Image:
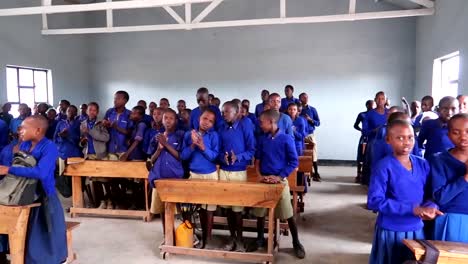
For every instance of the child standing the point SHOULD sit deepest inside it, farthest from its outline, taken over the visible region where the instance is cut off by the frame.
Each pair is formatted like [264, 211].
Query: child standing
[261, 106]
[135, 151]
[67, 137]
[313, 121]
[449, 176]
[396, 192]
[362, 119]
[203, 105]
[289, 98]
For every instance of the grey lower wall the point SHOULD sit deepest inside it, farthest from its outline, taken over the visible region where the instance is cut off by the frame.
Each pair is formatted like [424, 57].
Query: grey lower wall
[440, 35]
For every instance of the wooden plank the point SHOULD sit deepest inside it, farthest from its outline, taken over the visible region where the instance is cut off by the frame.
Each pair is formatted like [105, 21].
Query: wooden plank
[108, 212]
[169, 224]
[72, 225]
[108, 169]
[305, 164]
[450, 252]
[271, 227]
[219, 192]
[247, 223]
[241, 256]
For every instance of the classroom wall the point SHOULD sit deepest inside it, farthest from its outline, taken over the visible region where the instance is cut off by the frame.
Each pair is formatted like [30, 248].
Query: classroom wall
[340, 65]
[21, 43]
[439, 35]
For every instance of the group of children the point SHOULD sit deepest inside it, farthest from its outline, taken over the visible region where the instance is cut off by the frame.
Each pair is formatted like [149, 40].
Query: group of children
[416, 195]
[187, 144]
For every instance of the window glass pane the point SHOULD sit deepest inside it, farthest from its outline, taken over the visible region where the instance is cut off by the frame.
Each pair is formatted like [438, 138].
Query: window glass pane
[14, 110]
[40, 82]
[26, 77]
[450, 69]
[27, 96]
[12, 85]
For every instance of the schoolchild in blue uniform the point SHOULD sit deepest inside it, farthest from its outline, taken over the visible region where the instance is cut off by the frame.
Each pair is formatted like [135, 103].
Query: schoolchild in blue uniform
[246, 105]
[201, 149]
[288, 92]
[361, 119]
[434, 133]
[51, 115]
[16, 122]
[284, 122]
[427, 103]
[449, 177]
[203, 104]
[83, 114]
[148, 119]
[150, 143]
[67, 137]
[62, 110]
[135, 150]
[313, 121]
[397, 193]
[261, 106]
[46, 242]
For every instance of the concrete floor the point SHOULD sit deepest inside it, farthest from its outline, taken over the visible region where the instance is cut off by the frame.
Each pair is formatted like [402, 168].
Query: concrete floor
[334, 229]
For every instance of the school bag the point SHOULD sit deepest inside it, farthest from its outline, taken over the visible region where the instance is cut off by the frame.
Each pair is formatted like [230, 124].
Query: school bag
[431, 256]
[19, 190]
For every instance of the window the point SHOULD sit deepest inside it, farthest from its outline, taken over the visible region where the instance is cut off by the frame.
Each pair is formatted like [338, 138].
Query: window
[29, 86]
[445, 76]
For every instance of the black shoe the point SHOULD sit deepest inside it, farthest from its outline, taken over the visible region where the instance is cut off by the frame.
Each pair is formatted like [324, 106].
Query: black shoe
[3, 258]
[299, 250]
[231, 245]
[256, 245]
[317, 177]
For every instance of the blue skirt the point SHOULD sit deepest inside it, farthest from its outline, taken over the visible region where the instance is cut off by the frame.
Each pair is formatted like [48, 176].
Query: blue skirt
[451, 227]
[47, 243]
[3, 243]
[388, 247]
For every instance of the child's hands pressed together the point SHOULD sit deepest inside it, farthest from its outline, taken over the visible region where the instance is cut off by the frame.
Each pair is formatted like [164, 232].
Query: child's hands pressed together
[271, 179]
[162, 139]
[4, 170]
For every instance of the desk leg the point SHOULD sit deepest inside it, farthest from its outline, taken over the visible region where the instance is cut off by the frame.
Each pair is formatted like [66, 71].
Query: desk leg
[77, 193]
[169, 229]
[295, 205]
[17, 238]
[147, 218]
[271, 228]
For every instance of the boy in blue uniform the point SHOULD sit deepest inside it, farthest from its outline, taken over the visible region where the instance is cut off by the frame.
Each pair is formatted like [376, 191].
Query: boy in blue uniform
[5, 114]
[62, 110]
[67, 137]
[84, 113]
[201, 149]
[265, 95]
[16, 122]
[203, 104]
[427, 103]
[288, 92]
[449, 177]
[284, 122]
[46, 242]
[146, 118]
[276, 158]
[378, 116]
[396, 192]
[246, 104]
[236, 151]
[51, 115]
[313, 121]
[299, 127]
[164, 103]
[150, 143]
[361, 119]
[435, 131]
[166, 159]
[135, 151]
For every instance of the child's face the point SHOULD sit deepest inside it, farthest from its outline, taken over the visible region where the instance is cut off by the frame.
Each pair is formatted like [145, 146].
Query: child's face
[229, 114]
[202, 100]
[426, 105]
[207, 121]
[185, 116]
[458, 133]
[41, 108]
[447, 110]
[371, 105]
[401, 138]
[415, 107]
[136, 115]
[169, 121]
[381, 100]
[265, 96]
[292, 111]
[51, 115]
[29, 130]
[157, 115]
[266, 124]
[180, 106]
[84, 109]
[119, 100]
[275, 103]
[164, 104]
[463, 101]
[152, 106]
[304, 99]
[288, 92]
[23, 110]
[71, 113]
[92, 112]
[63, 106]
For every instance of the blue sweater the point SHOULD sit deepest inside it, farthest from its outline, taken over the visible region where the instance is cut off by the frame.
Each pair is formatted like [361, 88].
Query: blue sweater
[299, 130]
[259, 109]
[238, 138]
[118, 141]
[312, 112]
[285, 124]
[394, 192]
[436, 135]
[374, 121]
[68, 145]
[202, 162]
[286, 101]
[195, 117]
[277, 155]
[449, 188]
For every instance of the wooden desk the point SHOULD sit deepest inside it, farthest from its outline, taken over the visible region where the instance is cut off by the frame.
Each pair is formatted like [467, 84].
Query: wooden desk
[77, 168]
[220, 193]
[14, 223]
[450, 252]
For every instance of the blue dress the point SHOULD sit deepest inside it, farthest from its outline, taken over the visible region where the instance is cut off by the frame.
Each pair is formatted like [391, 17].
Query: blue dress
[450, 191]
[46, 239]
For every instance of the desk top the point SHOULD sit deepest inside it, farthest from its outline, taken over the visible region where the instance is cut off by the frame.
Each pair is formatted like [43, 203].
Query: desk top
[447, 249]
[220, 192]
[108, 169]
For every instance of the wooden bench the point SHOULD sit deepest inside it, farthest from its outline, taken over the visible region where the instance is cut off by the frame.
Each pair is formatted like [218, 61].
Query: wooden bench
[450, 252]
[246, 194]
[71, 254]
[78, 167]
[14, 223]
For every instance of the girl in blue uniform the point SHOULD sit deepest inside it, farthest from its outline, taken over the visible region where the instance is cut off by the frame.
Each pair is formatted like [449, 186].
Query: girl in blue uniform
[362, 119]
[46, 241]
[450, 184]
[396, 192]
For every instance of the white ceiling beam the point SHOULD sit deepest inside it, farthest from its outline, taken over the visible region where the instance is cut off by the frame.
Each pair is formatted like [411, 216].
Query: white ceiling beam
[174, 14]
[250, 22]
[129, 4]
[207, 11]
[45, 23]
[352, 6]
[425, 3]
[188, 15]
[282, 8]
[109, 16]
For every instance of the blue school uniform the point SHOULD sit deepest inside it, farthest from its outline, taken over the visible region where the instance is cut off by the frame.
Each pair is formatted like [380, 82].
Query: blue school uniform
[394, 191]
[252, 118]
[138, 134]
[259, 109]
[15, 123]
[148, 120]
[150, 144]
[450, 191]
[6, 155]
[277, 154]
[286, 101]
[299, 130]
[82, 118]
[312, 112]
[195, 117]
[3, 134]
[435, 133]
[202, 162]
[68, 145]
[374, 121]
[361, 119]
[51, 129]
[44, 245]
[7, 117]
[237, 137]
[118, 141]
[285, 124]
[166, 165]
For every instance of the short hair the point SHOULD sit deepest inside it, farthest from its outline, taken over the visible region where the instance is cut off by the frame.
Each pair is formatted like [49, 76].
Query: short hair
[170, 111]
[233, 105]
[446, 100]
[85, 105]
[369, 102]
[23, 105]
[94, 104]
[455, 118]
[397, 108]
[302, 94]
[74, 107]
[428, 98]
[51, 109]
[124, 94]
[274, 95]
[188, 110]
[271, 115]
[203, 90]
[460, 96]
[236, 101]
[208, 110]
[140, 109]
[292, 104]
[41, 121]
[141, 101]
[211, 95]
[289, 87]
[397, 122]
[265, 91]
[245, 101]
[181, 101]
[397, 116]
[65, 101]
[163, 99]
